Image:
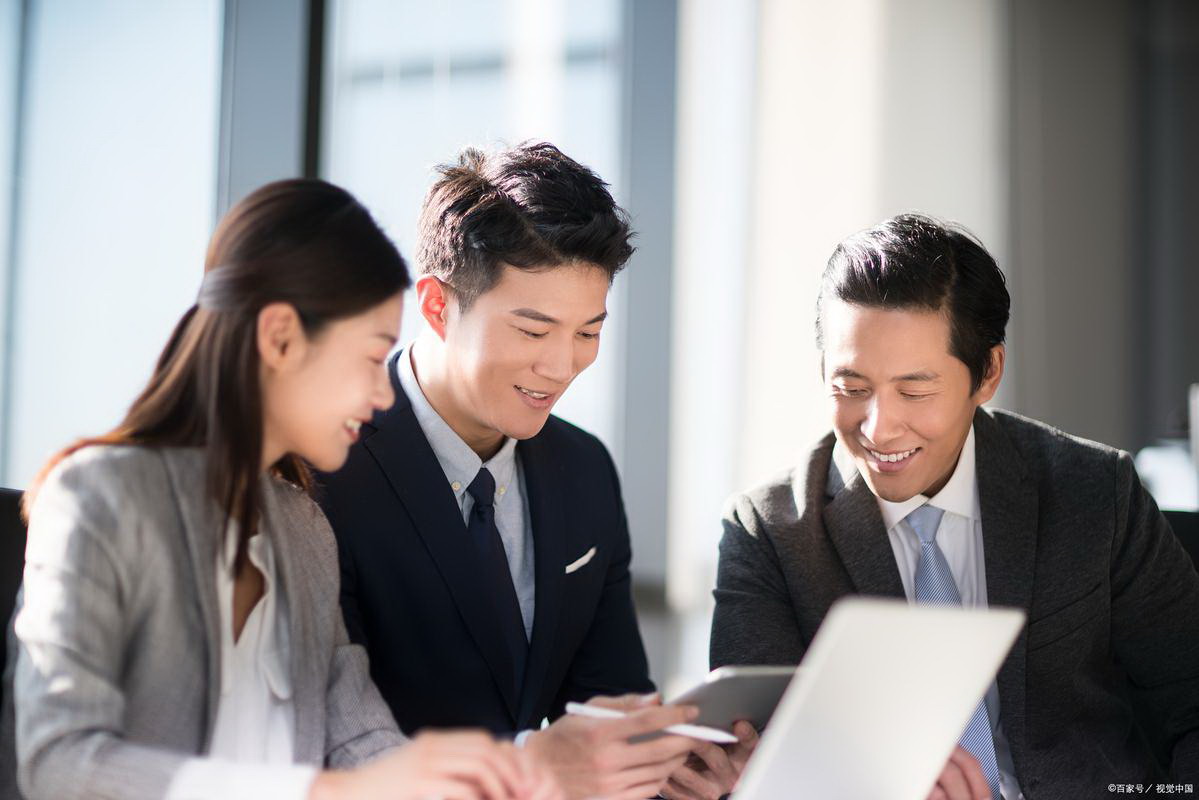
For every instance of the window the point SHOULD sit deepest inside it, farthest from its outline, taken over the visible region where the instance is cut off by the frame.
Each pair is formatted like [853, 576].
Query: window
[113, 208]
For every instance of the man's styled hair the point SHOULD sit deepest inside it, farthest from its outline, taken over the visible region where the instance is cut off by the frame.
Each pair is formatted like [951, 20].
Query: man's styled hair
[529, 206]
[916, 262]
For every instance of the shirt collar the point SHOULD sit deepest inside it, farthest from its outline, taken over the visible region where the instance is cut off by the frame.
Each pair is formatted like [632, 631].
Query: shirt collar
[958, 496]
[458, 461]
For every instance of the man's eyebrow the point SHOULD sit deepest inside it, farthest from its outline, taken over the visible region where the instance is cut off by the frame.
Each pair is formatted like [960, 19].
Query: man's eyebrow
[533, 314]
[537, 316]
[391, 339]
[923, 375]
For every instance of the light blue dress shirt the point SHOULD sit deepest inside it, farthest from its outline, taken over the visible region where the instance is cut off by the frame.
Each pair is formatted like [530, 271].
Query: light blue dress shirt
[460, 465]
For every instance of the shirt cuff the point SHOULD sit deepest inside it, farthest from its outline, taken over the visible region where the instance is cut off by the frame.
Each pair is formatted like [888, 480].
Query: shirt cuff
[218, 779]
[520, 738]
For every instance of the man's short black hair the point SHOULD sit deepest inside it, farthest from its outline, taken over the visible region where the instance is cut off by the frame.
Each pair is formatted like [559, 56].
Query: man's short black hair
[916, 262]
[529, 206]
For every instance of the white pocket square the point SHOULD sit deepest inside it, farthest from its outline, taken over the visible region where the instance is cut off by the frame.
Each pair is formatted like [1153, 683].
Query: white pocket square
[581, 561]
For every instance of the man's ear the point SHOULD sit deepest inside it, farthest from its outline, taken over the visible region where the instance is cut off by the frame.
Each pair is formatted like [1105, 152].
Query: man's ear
[434, 298]
[994, 375]
[280, 336]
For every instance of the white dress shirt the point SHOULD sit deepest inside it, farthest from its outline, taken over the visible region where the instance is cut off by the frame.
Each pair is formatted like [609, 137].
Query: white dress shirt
[254, 734]
[460, 465]
[960, 537]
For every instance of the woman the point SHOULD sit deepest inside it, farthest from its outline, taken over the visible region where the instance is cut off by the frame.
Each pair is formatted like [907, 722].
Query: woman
[180, 634]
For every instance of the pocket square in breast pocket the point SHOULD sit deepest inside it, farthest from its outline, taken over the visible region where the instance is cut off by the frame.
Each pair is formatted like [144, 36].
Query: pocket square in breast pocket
[581, 561]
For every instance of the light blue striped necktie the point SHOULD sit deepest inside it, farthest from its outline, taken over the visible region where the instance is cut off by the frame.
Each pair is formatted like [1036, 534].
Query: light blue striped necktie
[935, 585]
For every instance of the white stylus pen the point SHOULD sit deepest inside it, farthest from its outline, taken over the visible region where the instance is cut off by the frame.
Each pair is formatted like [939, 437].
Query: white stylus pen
[693, 731]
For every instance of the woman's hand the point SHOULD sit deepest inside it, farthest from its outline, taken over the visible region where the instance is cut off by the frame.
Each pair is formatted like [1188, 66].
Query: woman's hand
[448, 766]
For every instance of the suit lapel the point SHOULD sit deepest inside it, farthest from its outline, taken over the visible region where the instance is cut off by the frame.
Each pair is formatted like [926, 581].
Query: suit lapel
[406, 458]
[542, 484]
[856, 528]
[203, 528]
[1008, 501]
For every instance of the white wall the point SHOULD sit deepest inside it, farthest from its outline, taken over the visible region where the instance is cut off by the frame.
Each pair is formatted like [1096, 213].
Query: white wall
[715, 123]
[800, 122]
[867, 108]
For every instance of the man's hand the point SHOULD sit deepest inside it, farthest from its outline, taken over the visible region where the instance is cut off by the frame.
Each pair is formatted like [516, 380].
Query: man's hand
[712, 771]
[962, 779]
[594, 757]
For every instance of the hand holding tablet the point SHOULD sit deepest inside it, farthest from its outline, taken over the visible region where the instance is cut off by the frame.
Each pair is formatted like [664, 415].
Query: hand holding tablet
[730, 694]
[726, 696]
[740, 699]
[692, 731]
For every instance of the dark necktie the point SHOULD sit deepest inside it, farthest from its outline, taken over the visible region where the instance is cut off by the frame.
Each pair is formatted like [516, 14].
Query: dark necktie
[498, 577]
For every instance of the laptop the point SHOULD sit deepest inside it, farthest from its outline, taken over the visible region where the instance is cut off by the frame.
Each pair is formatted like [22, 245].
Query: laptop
[884, 693]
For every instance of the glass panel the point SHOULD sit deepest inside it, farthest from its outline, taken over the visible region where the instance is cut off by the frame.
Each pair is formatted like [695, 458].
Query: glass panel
[115, 208]
[10, 58]
[410, 83]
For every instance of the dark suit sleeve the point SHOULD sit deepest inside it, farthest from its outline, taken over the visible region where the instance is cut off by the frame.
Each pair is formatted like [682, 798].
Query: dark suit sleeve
[1155, 619]
[754, 622]
[611, 659]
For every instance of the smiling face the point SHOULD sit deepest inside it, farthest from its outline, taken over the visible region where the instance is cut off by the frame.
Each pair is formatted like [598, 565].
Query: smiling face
[511, 355]
[317, 391]
[901, 402]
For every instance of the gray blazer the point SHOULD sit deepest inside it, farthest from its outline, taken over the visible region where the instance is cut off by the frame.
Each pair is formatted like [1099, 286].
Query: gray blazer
[1101, 687]
[117, 677]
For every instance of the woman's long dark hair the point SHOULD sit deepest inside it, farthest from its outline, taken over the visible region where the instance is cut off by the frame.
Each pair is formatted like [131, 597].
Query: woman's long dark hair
[303, 242]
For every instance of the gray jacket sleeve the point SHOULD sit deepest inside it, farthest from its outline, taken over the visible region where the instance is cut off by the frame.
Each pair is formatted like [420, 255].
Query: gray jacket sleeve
[360, 725]
[71, 630]
[754, 622]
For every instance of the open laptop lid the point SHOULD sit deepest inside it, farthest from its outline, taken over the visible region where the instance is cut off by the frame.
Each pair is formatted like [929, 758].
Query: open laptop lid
[885, 692]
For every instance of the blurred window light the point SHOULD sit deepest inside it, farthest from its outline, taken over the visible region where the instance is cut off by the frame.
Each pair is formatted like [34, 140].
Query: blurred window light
[11, 18]
[408, 84]
[112, 208]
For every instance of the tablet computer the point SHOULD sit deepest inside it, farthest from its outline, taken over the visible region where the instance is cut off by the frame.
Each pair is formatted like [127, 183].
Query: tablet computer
[731, 693]
[885, 692]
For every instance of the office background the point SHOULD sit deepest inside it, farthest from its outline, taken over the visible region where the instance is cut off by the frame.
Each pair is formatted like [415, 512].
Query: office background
[745, 138]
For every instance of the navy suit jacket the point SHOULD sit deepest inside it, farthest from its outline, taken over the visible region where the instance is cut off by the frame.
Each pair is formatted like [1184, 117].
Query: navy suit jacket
[412, 594]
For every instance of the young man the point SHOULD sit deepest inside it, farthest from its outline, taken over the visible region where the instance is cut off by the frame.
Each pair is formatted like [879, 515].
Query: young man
[921, 493]
[483, 543]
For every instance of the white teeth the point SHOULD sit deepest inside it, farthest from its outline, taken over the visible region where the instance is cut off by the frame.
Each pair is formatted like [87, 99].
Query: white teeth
[354, 424]
[534, 395]
[892, 457]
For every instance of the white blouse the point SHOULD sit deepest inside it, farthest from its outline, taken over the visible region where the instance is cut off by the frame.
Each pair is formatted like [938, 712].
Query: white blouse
[254, 735]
